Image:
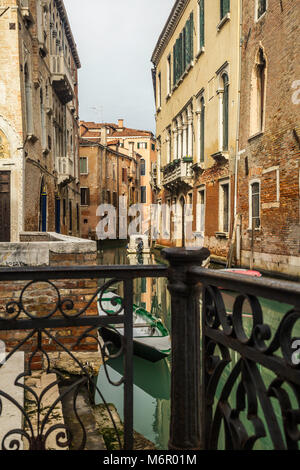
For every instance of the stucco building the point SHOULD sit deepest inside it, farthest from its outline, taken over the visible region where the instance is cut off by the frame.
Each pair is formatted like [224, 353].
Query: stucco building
[268, 169]
[38, 119]
[107, 172]
[196, 81]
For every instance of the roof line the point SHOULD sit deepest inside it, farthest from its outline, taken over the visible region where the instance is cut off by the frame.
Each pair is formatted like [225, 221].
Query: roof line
[168, 29]
[64, 16]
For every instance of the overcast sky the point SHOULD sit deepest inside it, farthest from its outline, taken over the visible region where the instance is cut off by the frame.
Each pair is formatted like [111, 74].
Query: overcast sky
[115, 41]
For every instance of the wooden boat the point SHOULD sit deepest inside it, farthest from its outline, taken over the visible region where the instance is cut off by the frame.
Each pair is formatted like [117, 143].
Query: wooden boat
[151, 339]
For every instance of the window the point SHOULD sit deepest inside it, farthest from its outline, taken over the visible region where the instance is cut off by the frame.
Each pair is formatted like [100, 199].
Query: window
[159, 91]
[225, 7]
[124, 175]
[143, 195]
[183, 50]
[201, 211]
[64, 211]
[261, 7]
[153, 147]
[28, 99]
[258, 90]
[169, 77]
[201, 25]
[143, 167]
[142, 145]
[224, 207]
[83, 165]
[78, 217]
[108, 197]
[225, 111]
[202, 129]
[84, 196]
[169, 145]
[70, 216]
[254, 216]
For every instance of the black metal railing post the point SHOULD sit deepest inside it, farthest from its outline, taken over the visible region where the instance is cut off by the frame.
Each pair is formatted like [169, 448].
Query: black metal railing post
[185, 427]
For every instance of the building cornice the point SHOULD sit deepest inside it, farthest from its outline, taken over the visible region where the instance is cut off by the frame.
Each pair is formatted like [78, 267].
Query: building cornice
[168, 30]
[64, 16]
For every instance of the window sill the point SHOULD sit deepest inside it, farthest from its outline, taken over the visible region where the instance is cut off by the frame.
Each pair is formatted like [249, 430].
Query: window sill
[223, 21]
[222, 235]
[261, 16]
[200, 52]
[249, 229]
[220, 157]
[255, 136]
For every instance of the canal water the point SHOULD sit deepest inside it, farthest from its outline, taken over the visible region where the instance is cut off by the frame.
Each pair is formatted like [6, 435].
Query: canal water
[152, 380]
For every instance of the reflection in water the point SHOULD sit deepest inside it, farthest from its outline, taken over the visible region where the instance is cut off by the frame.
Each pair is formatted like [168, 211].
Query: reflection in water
[152, 380]
[151, 396]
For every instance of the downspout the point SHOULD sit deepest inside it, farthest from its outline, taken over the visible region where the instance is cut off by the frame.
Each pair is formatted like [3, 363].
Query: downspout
[238, 153]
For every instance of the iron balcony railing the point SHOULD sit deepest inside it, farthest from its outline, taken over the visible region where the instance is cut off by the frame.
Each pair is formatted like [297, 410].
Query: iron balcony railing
[235, 376]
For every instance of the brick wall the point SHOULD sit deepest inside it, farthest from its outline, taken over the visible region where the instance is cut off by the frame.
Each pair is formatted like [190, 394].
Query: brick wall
[277, 32]
[40, 299]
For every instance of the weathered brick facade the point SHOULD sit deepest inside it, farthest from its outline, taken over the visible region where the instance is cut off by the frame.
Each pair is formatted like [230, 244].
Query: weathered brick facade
[39, 117]
[271, 157]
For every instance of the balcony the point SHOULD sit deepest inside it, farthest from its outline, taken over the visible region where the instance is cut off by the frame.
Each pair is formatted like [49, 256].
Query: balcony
[178, 173]
[65, 169]
[62, 80]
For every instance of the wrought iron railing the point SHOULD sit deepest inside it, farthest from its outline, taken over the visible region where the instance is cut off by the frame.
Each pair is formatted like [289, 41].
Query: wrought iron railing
[38, 322]
[235, 373]
[247, 386]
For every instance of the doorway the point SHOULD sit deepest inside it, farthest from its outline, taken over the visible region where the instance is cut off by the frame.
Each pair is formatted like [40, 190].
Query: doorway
[4, 206]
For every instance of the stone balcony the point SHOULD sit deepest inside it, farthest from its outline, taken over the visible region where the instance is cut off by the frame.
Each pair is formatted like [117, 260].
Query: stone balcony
[62, 80]
[178, 173]
[65, 170]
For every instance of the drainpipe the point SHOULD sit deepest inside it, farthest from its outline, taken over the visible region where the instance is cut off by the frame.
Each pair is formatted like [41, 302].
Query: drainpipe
[238, 153]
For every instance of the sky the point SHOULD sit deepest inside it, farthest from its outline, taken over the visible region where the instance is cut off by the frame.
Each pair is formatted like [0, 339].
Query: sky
[115, 41]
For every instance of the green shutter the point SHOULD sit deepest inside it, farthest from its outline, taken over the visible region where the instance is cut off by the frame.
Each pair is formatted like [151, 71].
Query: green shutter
[202, 36]
[191, 36]
[186, 32]
[225, 112]
[225, 8]
[174, 64]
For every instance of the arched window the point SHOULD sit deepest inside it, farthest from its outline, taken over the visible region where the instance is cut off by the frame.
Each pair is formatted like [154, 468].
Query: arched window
[258, 85]
[225, 110]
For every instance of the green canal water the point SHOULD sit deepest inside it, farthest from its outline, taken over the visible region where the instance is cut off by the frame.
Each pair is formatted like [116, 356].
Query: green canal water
[152, 380]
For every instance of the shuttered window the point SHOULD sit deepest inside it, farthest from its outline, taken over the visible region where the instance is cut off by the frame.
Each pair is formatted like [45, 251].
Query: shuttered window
[183, 50]
[225, 111]
[84, 196]
[225, 7]
[201, 24]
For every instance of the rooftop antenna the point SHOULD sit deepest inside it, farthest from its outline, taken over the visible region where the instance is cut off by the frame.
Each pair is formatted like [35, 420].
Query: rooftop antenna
[98, 111]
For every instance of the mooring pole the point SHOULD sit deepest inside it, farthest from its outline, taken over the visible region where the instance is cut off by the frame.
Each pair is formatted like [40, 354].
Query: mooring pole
[185, 429]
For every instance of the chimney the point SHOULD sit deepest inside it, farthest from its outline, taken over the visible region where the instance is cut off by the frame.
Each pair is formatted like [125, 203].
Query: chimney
[121, 123]
[103, 136]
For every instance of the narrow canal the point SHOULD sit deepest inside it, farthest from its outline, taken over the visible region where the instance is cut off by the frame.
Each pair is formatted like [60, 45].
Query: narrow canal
[152, 380]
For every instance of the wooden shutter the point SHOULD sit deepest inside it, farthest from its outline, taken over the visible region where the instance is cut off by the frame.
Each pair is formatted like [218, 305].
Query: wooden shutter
[191, 36]
[202, 24]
